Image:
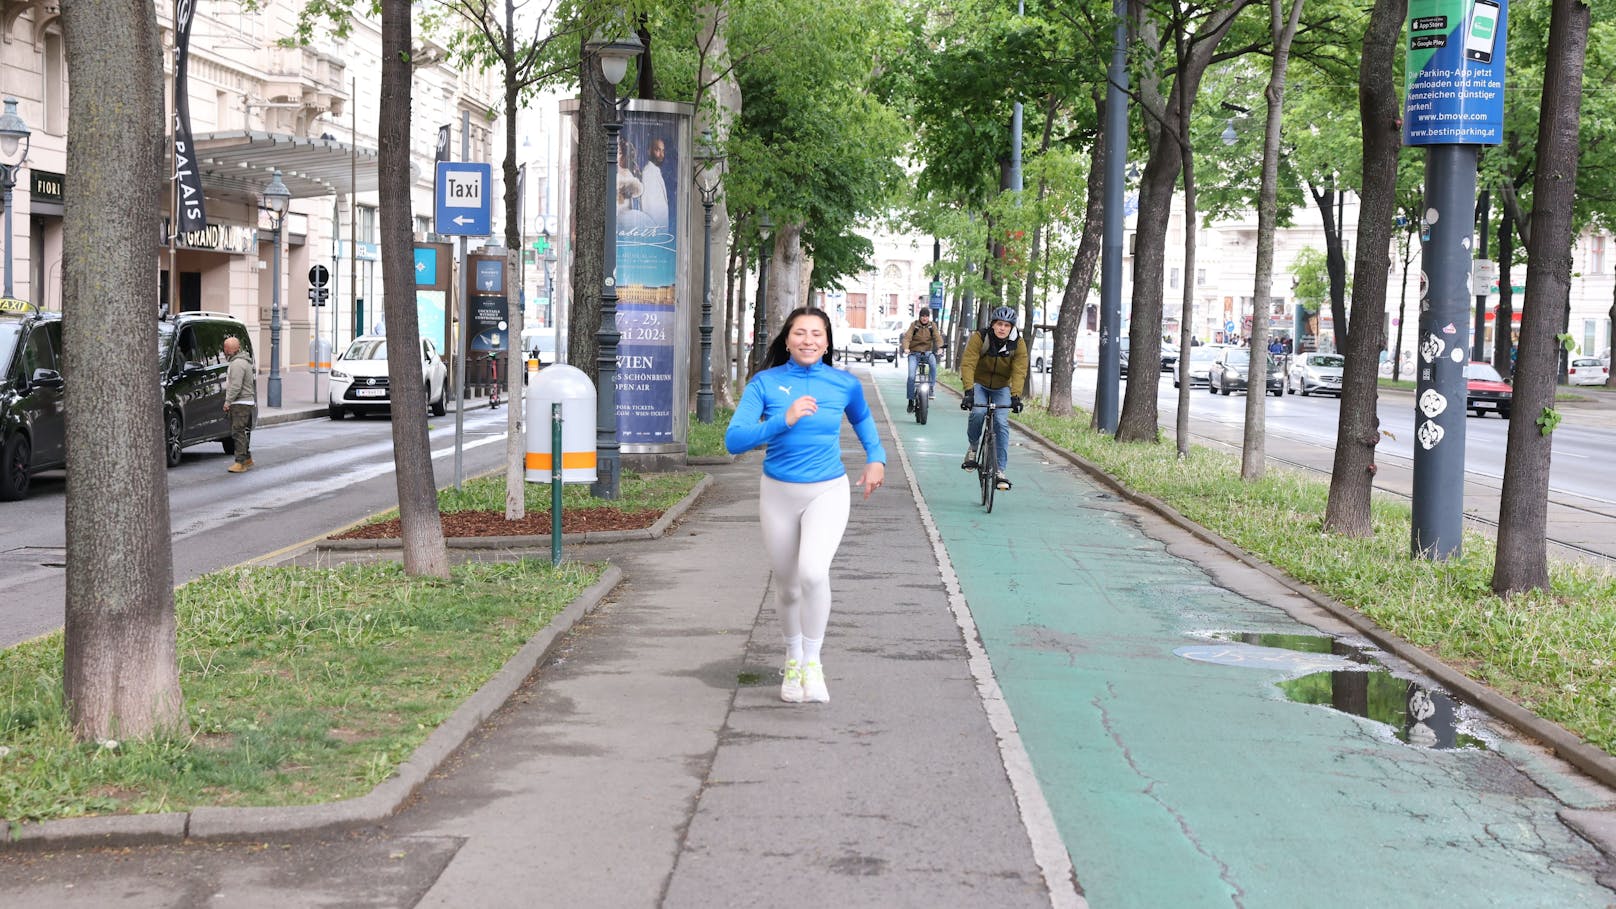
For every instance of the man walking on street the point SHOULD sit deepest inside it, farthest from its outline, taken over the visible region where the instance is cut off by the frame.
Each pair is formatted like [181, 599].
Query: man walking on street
[240, 402]
[920, 342]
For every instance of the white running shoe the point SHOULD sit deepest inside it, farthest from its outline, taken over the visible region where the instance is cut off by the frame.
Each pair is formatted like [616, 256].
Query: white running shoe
[813, 684]
[791, 687]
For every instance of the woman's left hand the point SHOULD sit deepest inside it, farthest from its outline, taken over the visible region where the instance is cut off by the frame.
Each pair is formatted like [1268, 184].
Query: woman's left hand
[875, 473]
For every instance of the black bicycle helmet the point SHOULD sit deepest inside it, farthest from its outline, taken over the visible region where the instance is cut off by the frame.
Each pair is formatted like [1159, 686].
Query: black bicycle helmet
[1003, 314]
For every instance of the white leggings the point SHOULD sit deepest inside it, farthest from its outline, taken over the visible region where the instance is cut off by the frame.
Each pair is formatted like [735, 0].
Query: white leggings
[802, 527]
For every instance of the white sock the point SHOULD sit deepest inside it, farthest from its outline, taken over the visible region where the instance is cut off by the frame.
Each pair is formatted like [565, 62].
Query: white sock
[810, 649]
[794, 648]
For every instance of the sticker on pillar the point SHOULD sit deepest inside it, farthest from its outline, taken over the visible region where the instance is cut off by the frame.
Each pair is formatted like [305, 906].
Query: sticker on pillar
[1432, 403]
[1432, 347]
[1448, 329]
[1457, 355]
[1430, 435]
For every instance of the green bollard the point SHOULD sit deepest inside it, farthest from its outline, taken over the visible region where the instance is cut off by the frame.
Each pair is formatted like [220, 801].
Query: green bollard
[555, 483]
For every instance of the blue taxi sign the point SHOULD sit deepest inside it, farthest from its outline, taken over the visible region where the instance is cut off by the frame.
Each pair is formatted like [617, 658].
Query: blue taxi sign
[464, 199]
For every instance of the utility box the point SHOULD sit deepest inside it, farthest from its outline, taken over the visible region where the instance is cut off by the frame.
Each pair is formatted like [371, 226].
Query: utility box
[570, 386]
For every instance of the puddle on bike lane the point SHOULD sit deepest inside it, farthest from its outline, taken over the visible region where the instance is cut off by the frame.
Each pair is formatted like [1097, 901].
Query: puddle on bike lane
[1182, 782]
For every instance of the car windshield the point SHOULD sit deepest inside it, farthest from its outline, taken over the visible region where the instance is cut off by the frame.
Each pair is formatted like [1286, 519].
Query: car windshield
[9, 331]
[367, 349]
[1483, 372]
[1328, 360]
[1202, 355]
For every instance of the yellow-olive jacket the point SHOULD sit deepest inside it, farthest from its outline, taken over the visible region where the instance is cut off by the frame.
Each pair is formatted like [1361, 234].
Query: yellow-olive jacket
[992, 363]
[922, 338]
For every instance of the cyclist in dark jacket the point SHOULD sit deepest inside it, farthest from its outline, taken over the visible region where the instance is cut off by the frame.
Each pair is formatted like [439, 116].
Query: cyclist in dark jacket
[993, 368]
[920, 343]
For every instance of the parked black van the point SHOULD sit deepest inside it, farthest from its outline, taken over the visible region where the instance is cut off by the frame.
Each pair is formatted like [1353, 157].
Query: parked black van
[33, 432]
[33, 422]
[192, 366]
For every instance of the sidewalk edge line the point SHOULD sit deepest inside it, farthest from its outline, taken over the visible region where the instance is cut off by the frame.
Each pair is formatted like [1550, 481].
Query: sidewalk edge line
[1598, 764]
[1048, 849]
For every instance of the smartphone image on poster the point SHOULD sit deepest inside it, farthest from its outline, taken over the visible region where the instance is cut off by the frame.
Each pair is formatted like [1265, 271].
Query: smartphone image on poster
[1483, 31]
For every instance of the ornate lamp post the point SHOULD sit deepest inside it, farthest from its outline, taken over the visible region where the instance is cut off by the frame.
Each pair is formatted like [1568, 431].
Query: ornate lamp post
[614, 57]
[760, 312]
[709, 170]
[276, 198]
[14, 141]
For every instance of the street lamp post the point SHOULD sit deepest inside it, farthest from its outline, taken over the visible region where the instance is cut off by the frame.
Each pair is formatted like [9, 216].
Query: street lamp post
[614, 58]
[276, 198]
[14, 141]
[709, 170]
[760, 312]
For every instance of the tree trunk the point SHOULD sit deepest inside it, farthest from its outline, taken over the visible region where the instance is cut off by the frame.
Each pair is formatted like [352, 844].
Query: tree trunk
[1074, 299]
[1504, 317]
[515, 360]
[1610, 337]
[1181, 424]
[1138, 420]
[1522, 560]
[1253, 456]
[1030, 294]
[785, 274]
[1358, 427]
[120, 675]
[1335, 260]
[713, 43]
[589, 201]
[1402, 307]
[421, 530]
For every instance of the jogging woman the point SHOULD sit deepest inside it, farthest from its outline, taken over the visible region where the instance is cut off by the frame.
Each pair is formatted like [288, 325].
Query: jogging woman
[795, 405]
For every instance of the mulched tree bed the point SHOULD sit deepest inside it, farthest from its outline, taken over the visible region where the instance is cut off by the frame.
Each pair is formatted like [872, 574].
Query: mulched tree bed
[493, 524]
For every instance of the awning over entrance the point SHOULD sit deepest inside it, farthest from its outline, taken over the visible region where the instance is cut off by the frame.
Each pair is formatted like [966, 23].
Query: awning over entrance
[240, 162]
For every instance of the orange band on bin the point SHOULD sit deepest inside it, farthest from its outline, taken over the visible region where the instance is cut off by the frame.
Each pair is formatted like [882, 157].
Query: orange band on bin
[570, 460]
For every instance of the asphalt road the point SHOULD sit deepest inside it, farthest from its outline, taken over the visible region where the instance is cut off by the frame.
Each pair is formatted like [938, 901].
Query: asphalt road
[310, 477]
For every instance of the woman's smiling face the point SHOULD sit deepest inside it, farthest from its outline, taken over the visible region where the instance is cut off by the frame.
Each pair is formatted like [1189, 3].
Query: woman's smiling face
[807, 340]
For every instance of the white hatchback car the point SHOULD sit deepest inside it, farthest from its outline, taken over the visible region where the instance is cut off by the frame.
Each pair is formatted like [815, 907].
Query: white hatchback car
[1588, 371]
[1316, 373]
[359, 382]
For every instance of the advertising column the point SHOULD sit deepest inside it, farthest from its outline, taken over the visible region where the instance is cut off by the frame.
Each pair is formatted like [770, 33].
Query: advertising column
[1454, 104]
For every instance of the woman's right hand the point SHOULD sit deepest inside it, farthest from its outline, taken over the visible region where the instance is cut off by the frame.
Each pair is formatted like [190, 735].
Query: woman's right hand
[800, 408]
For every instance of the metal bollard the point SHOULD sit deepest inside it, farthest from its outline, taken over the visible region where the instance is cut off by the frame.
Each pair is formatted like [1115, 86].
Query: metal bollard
[555, 483]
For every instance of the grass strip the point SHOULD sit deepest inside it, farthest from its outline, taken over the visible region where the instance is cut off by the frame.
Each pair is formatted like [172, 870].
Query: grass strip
[636, 492]
[706, 440]
[301, 685]
[1552, 652]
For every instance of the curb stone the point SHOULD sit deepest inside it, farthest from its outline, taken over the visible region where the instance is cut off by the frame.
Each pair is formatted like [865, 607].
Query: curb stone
[1595, 762]
[269, 823]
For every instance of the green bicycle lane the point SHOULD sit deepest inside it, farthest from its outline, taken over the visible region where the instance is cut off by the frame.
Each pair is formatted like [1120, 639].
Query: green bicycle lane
[1180, 782]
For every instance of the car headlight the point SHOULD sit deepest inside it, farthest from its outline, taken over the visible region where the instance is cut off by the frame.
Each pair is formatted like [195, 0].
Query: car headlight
[339, 374]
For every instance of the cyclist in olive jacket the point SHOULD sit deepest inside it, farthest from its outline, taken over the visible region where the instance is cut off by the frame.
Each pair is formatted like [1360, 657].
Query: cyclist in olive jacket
[921, 343]
[994, 368]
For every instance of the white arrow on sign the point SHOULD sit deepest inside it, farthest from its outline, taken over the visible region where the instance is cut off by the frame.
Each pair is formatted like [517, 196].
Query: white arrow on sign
[462, 220]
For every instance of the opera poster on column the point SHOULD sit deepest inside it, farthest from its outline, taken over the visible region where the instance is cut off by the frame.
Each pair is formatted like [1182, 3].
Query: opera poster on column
[650, 186]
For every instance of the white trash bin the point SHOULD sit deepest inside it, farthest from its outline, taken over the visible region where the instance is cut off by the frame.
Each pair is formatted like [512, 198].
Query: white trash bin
[570, 386]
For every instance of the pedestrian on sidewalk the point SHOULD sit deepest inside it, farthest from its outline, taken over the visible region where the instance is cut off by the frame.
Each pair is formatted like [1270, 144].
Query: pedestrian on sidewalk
[994, 368]
[795, 405]
[240, 401]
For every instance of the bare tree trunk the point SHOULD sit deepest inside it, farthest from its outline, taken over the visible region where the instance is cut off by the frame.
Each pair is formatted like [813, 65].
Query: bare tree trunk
[1138, 420]
[1253, 454]
[515, 361]
[589, 202]
[1522, 561]
[1030, 294]
[1402, 307]
[1181, 424]
[1358, 427]
[421, 530]
[1074, 299]
[1504, 316]
[785, 274]
[120, 674]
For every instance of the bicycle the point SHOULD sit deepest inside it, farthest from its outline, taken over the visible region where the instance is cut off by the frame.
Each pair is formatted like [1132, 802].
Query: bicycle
[923, 391]
[987, 457]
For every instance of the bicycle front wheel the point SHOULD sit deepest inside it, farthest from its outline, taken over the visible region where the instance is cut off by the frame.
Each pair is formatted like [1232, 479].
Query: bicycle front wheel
[986, 459]
[922, 404]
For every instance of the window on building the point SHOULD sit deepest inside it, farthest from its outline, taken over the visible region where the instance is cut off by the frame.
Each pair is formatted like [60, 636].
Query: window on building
[55, 83]
[1596, 255]
[1200, 277]
[1172, 277]
[366, 228]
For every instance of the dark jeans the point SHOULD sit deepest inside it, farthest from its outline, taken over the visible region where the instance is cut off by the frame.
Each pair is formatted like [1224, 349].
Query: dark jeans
[241, 423]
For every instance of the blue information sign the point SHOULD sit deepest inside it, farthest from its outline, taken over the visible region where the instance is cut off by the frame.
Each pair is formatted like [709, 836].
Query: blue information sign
[1455, 68]
[426, 266]
[464, 199]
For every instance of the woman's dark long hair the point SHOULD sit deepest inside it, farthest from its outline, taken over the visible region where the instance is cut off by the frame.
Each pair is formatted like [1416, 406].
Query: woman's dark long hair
[777, 353]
